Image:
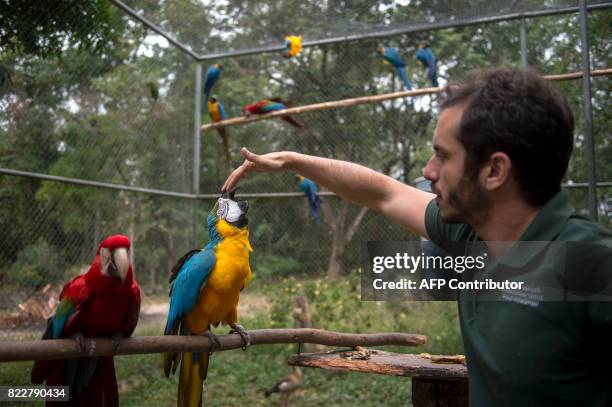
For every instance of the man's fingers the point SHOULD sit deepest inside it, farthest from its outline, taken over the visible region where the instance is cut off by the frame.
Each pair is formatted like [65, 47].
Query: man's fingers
[235, 176]
[231, 181]
[250, 156]
[252, 162]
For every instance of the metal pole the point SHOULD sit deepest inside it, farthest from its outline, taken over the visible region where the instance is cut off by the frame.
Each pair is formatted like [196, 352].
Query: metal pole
[95, 184]
[523, 28]
[196, 149]
[408, 28]
[155, 28]
[588, 113]
[377, 34]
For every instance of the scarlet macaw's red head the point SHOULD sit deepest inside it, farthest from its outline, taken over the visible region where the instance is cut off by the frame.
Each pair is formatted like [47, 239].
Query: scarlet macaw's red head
[251, 109]
[114, 253]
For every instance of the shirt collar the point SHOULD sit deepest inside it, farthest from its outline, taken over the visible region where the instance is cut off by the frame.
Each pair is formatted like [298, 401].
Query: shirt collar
[545, 227]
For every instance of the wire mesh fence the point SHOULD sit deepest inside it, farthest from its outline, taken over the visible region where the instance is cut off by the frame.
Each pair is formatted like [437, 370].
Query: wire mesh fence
[124, 114]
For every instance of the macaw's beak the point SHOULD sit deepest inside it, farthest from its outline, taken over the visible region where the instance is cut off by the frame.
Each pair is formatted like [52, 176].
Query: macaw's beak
[381, 50]
[119, 263]
[229, 194]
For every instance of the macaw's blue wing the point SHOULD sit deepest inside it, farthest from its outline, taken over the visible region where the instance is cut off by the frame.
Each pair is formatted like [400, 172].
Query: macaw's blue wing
[304, 187]
[187, 279]
[401, 71]
[310, 189]
[273, 106]
[393, 57]
[428, 59]
[222, 112]
[57, 322]
[212, 75]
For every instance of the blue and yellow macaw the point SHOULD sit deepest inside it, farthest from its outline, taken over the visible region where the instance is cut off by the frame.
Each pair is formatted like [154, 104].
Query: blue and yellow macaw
[428, 59]
[217, 114]
[205, 289]
[393, 57]
[310, 190]
[212, 76]
[293, 46]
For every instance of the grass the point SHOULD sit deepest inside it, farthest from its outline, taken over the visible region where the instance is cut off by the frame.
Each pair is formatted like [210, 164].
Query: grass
[237, 377]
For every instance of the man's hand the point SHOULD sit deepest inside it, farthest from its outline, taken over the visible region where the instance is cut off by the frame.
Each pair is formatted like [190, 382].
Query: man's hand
[272, 162]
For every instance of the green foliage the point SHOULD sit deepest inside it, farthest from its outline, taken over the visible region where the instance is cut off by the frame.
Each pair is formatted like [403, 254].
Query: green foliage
[336, 305]
[47, 27]
[36, 265]
[277, 266]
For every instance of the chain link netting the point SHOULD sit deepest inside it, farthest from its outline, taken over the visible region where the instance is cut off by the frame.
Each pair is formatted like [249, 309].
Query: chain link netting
[253, 25]
[125, 115]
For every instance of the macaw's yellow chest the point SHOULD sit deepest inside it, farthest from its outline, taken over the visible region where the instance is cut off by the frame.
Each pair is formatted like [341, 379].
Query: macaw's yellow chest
[219, 297]
[232, 269]
[214, 112]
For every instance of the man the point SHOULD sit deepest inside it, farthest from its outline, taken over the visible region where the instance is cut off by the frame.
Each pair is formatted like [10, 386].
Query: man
[501, 149]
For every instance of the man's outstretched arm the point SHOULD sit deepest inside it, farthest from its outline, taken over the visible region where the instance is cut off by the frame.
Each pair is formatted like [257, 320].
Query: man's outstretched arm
[401, 203]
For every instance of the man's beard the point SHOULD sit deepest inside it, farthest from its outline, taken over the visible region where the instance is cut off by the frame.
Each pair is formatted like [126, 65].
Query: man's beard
[468, 203]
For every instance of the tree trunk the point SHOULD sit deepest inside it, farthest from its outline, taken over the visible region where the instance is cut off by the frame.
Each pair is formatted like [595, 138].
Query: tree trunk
[342, 234]
[335, 267]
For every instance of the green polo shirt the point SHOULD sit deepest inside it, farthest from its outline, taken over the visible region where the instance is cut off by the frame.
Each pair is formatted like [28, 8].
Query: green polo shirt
[542, 354]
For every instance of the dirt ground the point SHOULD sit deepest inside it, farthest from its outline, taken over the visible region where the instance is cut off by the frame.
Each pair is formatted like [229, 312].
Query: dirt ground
[154, 311]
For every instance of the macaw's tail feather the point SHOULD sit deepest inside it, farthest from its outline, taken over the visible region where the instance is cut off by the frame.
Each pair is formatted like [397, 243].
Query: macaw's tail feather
[194, 368]
[434, 78]
[92, 381]
[43, 368]
[295, 122]
[314, 207]
[401, 71]
[171, 359]
[101, 390]
[79, 372]
[51, 371]
[223, 134]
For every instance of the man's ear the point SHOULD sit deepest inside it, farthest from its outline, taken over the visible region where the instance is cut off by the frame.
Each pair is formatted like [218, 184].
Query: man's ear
[497, 172]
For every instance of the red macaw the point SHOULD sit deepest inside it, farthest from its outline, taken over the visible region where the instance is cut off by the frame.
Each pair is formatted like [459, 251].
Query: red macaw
[103, 302]
[271, 105]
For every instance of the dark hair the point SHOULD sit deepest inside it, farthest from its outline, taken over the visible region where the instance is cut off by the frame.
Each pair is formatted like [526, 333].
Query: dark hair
[521, 114]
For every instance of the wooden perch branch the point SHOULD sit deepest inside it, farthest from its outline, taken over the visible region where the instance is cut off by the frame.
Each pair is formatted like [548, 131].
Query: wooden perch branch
[318, 106]
[385, 363]
[11, 351]
[578, 75]
[364, 100]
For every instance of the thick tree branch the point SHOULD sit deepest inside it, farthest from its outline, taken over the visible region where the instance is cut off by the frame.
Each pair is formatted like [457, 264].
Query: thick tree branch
[355, 224]
[11, 351]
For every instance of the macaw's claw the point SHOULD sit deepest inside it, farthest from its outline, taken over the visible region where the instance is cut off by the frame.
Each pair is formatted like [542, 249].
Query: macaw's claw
[214, 341]
[117, 338]
[80, 342]
[239, 329]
